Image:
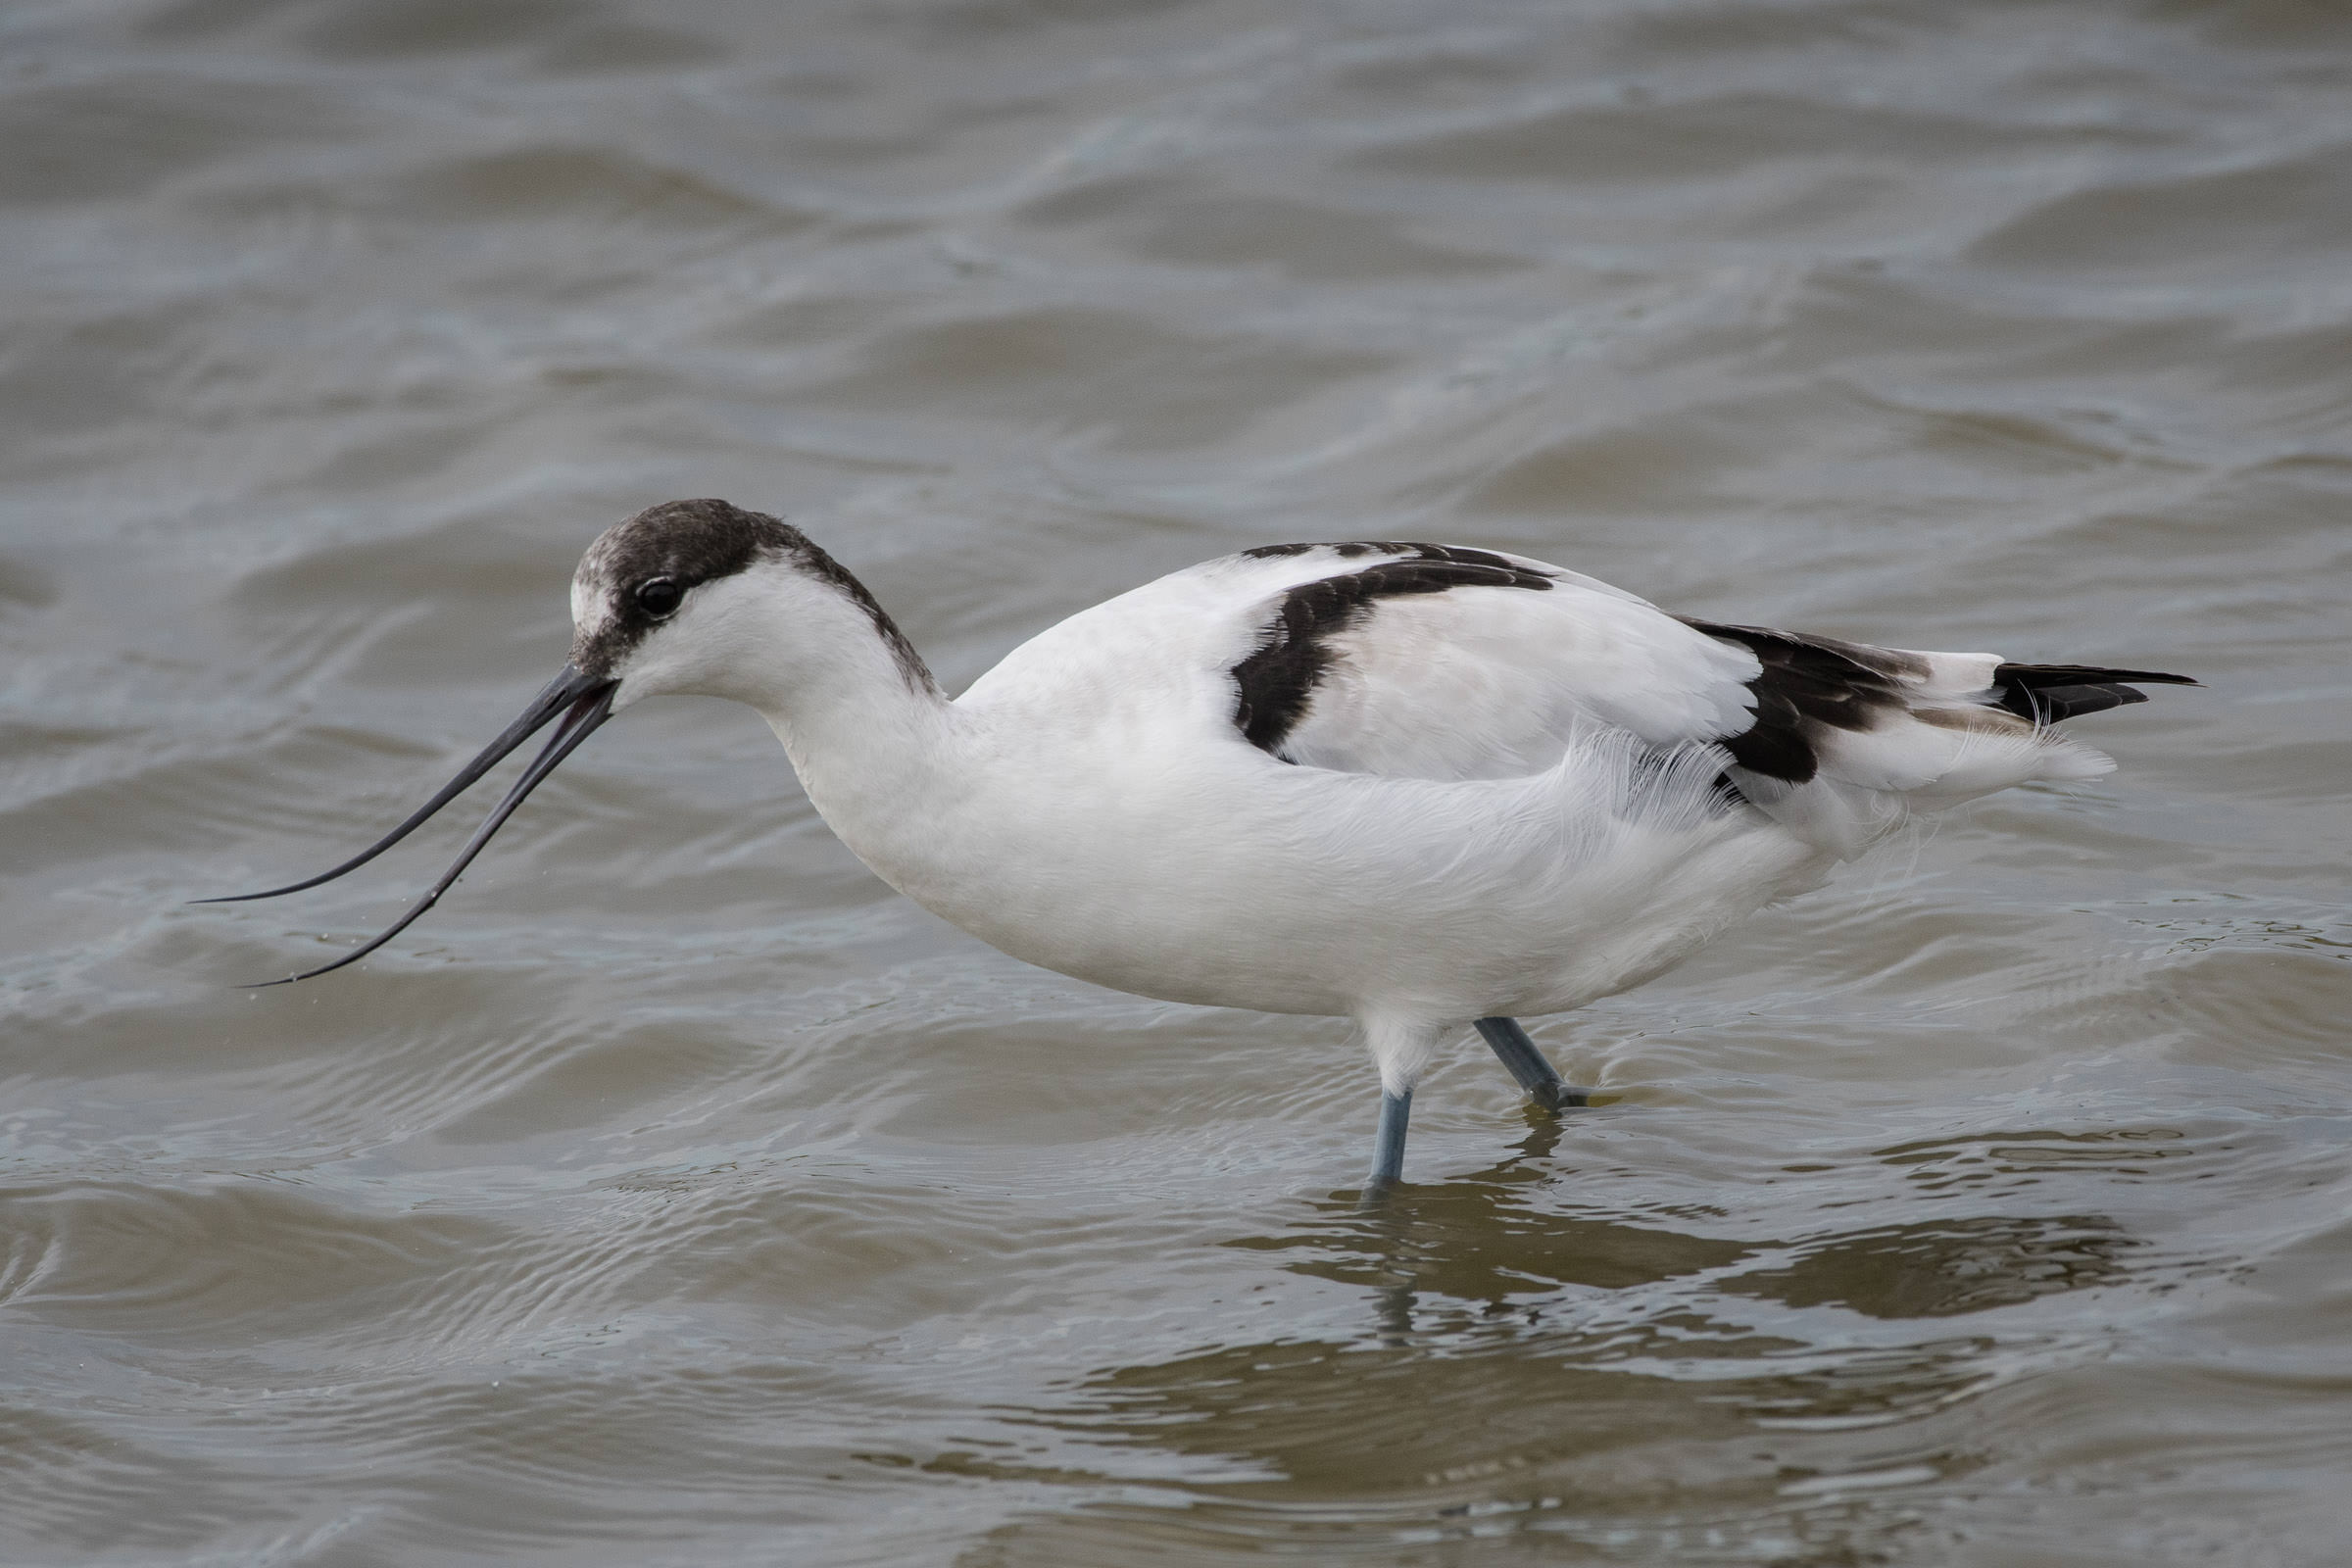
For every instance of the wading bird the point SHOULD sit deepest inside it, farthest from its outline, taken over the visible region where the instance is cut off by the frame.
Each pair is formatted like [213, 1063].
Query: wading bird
[1414, 785]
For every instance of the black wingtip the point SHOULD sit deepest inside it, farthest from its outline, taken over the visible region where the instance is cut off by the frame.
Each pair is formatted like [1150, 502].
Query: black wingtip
[2050, 694]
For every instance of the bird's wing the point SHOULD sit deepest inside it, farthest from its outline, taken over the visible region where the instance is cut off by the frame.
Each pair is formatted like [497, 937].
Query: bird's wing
[1437, 662]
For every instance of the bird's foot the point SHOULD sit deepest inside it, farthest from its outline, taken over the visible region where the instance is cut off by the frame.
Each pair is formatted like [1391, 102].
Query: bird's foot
[1559, 1096]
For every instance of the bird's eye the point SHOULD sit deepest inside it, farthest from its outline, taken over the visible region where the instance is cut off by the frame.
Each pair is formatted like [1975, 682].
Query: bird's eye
[660, 597]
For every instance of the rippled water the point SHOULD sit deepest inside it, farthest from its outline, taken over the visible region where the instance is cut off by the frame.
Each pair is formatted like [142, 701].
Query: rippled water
[676, 1193]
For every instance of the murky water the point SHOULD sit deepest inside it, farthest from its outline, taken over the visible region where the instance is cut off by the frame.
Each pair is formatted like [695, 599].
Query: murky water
[676, 1194]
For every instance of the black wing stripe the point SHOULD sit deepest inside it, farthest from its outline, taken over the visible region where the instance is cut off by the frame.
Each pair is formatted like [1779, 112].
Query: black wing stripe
[1277, 681]
[1809, 684]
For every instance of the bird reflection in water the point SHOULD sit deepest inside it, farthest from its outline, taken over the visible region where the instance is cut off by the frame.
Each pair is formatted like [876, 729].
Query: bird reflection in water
[1486, 1251]
[1740, 1368]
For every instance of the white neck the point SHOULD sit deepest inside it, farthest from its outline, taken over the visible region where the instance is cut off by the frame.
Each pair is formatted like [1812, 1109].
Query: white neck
[868, 731]
[872, 748]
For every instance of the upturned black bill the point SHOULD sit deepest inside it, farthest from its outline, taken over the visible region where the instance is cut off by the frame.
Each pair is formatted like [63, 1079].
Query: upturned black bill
[583, 702]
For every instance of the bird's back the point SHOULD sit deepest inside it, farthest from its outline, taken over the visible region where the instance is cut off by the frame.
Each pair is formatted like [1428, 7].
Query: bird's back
[1441, 663]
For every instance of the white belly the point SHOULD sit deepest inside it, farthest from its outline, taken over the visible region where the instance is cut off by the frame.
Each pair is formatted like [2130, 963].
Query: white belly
[1295, 890]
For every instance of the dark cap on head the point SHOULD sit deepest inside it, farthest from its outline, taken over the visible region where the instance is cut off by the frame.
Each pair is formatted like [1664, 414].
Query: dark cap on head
[687, 543]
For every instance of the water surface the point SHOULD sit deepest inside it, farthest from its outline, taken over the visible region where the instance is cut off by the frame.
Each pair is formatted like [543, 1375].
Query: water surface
[676, 1193]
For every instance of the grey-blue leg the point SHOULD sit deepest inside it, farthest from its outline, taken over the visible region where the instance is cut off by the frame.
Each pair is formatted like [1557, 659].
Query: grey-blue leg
[1388, 1145]
[1526, 1064]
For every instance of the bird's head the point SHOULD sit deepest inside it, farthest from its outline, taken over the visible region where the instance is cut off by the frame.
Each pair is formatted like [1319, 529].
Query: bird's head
[695, 597]
[707, 599]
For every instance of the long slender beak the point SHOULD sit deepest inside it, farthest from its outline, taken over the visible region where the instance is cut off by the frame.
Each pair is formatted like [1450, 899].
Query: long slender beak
[583, 701]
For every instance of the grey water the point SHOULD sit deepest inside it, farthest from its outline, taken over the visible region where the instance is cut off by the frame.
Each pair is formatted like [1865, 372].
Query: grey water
[676, 1194]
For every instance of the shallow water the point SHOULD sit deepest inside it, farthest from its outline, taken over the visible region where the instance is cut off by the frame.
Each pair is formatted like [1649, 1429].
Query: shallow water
[676, 1194]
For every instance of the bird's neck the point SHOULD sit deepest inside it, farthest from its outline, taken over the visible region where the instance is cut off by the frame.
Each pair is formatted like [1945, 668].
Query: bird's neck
[869, 732]
[865, 746]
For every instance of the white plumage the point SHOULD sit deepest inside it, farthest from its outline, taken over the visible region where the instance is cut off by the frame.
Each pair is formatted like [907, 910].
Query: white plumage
[1497, 802]
[1411, 785]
